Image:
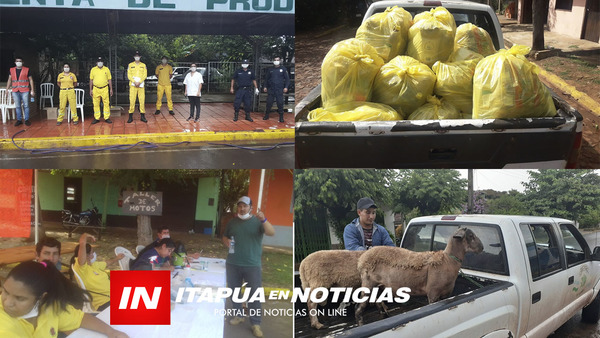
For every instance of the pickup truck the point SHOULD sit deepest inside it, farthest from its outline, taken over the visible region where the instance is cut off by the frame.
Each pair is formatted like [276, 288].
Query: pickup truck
[551, 142]
[533, 275]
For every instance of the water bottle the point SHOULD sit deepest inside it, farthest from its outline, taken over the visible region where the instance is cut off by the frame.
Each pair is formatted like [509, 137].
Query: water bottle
[188, 282]
[232, 245]
[32, 99]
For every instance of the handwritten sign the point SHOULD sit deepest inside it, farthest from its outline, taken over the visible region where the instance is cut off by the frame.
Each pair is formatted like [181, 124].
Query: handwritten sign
[142, 203]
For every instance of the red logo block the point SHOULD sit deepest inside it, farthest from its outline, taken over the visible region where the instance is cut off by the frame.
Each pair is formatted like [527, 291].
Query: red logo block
[140, 297]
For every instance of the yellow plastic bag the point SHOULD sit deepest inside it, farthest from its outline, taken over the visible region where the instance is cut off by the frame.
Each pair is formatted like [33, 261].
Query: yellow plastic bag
[463, 54]
[387, 32]
[474, 38]
[355, 111]
[431, 37]
[348, 71]
[435, 109]
[506, 85]
[455, 83]
[404, 84]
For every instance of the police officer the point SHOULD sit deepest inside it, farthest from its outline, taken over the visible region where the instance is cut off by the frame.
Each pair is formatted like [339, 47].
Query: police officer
[100, 83]
[245, 78]
[137, 73]
[276, 83]
[164, 72]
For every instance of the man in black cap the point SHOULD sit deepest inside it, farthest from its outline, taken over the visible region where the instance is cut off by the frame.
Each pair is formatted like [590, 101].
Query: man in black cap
[363, 233]
[245, 78]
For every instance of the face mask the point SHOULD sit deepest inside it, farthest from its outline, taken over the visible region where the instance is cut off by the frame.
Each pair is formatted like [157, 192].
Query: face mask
[276, 63]
[246, 216]
[100, 64]
[245, 65]
[19, 64]
[164, 61]
[166, 236]
[33, 313]
[67, 69]
[137, 58]
[193, 69]
[93, 258]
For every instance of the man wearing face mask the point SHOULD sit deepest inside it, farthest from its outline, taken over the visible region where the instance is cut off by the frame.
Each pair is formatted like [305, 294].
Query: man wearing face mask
[137, 73]
[276, 83]
[67, 82]
[20, 80]
[245, 79]
[164, 72]
[100, 83]
[243, 236]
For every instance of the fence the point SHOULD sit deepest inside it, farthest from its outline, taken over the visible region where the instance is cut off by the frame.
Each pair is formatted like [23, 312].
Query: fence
[311, 233]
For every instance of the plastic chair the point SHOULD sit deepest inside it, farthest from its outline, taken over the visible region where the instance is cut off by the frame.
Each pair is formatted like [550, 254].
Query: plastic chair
[6, 103]
[139, 248]
[79, 101]
[47, 92]
[124, 262]
[87, 306]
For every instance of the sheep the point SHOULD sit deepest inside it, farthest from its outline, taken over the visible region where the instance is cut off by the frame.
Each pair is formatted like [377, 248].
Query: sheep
[329, 268]
[431, 273]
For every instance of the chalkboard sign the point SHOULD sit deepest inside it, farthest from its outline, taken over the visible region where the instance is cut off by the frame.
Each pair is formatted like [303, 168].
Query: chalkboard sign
[142, 203]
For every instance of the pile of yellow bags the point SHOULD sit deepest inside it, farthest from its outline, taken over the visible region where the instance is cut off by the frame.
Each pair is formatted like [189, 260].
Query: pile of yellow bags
[506, 85]
[455, 83]
[435, 109]
[348, 71]
[387, 32]
[431, 37]
[355, 111]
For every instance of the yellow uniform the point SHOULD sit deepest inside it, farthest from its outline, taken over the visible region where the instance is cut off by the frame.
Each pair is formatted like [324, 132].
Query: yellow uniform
[100, 77]
[164, 85]
[67, 93]
[95, 280]
[50, 321]
[136, 72]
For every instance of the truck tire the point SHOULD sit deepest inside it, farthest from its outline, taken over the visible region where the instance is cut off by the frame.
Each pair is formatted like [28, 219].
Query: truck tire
[591, 313]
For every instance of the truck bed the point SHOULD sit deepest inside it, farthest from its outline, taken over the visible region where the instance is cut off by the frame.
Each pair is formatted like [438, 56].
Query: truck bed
[469, 143]
[415, 308]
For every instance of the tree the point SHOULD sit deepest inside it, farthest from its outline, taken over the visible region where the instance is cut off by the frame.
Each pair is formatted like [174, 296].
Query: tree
[337, 191]
[510, 203]
[571, 194]
[539, 19]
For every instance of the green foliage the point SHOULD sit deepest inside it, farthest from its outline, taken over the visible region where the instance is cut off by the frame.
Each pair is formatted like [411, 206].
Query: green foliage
[234, 184]
[510, 203]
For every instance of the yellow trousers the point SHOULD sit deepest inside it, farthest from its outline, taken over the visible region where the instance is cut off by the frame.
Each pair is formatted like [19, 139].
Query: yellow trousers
[159, 94]
[67, 96]
[135, 92]
[101, 93]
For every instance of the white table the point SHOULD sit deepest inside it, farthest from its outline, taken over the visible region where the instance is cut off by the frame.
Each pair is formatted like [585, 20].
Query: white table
[187, 320]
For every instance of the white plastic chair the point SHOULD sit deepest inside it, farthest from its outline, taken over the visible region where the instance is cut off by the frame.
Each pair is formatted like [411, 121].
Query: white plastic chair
[47, 92]
[124, 262]
[79, 101]
[6, 103]
[87, 306]
[139, 248]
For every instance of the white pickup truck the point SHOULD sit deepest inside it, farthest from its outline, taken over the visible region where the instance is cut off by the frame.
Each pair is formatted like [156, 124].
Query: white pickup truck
[533, 275]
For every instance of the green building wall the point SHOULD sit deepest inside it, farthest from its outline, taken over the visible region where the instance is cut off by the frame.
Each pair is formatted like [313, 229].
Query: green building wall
[51, 191]
[208, 187]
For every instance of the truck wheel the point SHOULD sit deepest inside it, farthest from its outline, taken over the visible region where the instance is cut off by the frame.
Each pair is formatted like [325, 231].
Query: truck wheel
[591, 313]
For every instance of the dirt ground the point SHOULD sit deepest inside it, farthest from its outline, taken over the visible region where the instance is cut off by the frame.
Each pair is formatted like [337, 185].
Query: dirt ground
[582, 72]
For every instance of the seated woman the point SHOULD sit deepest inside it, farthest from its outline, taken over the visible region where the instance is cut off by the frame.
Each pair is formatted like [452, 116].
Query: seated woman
[157, 257]
[93, 273]
[38, 301]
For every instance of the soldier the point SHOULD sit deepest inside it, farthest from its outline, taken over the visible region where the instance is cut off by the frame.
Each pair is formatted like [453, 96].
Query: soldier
[164, 72]
[100, 79]
[276, 83]
[245, 78]
[137, 73]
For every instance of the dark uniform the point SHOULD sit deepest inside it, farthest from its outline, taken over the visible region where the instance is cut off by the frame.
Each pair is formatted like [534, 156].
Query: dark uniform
[276, 80]
[244, 79]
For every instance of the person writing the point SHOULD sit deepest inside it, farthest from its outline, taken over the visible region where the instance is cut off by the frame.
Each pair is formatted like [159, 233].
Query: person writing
[363, 233]
[67, 82]
[193, 86]
[157, 257]
[38, 301]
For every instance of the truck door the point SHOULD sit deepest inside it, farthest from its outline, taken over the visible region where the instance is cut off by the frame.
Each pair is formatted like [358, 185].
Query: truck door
[548, 278]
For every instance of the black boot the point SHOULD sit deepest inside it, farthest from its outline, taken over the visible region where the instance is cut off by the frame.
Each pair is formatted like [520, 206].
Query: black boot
[235, 116]
[143, 118]
[130, 119]
[266, 116]
[248, 118]
[281, 117]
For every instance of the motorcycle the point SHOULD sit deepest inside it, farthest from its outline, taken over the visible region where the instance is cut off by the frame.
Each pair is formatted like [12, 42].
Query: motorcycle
[89, 217]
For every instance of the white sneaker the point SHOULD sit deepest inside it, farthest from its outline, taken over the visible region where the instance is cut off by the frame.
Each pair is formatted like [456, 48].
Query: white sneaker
[256, 331]
[237, 320]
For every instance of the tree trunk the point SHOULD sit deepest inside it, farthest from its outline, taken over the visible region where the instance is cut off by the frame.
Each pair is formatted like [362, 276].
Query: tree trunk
[144, 230]
[538, 24]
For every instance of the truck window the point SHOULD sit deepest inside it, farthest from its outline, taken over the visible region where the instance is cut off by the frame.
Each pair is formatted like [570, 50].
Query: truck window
[542, 249]
[575, 246]
[418, 237]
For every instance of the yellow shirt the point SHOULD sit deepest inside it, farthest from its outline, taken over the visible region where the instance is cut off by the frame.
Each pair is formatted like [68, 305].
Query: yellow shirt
[95, 280]
[164, 74]
[136, 72]
[49, 323]
[66, 81]
[100, 76]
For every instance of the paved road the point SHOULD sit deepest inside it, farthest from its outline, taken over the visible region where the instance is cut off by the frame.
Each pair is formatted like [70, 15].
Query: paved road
[180, 157]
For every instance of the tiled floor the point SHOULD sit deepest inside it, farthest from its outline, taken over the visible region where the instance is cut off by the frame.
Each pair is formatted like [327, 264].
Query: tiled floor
[215, 117]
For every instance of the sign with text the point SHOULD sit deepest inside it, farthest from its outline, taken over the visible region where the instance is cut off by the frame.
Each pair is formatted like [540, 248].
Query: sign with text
[142, 203]
[231, 6]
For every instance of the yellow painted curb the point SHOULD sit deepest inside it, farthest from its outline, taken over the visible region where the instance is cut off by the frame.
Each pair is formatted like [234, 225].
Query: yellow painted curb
[582, 98]
[110, 140]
